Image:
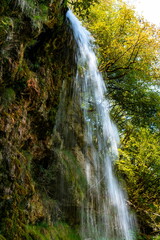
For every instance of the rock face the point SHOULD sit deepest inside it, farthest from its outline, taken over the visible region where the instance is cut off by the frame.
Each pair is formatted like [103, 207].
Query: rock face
[35, 58]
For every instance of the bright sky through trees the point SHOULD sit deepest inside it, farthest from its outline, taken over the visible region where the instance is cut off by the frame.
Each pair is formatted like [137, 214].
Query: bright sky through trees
[150, 9]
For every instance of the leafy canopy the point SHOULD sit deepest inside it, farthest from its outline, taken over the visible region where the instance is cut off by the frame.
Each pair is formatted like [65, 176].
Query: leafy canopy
[81, 7]
[139, 165]
[129, 60]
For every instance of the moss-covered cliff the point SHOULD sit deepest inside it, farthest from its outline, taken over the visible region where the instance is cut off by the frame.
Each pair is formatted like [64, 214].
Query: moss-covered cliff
[35, 58]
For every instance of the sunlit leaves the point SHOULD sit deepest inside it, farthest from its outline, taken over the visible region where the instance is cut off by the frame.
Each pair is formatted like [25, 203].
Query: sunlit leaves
[129, 59]
[81, 7]
[140, 166]
[129, 56]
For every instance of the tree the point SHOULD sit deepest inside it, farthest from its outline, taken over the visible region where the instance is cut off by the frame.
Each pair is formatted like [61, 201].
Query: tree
[81, 7]
[129, 56]
[128, 51]
[139, 165]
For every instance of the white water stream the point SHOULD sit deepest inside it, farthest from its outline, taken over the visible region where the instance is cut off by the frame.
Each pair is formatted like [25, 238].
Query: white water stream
[104, 212]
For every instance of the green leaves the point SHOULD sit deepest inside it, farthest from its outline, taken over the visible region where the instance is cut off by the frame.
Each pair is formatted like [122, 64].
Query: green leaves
[128, 51]
[81, 7]
[139, 164]
[128, 55]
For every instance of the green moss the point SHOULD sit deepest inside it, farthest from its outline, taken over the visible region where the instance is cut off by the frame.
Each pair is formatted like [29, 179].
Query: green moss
[2, 238]
[28, 156]
[14, 214]
[8, 97]
[73, 172]
[60, 231]
[156, 237]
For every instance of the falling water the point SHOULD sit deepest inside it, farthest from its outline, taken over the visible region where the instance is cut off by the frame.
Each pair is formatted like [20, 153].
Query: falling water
[104, 211]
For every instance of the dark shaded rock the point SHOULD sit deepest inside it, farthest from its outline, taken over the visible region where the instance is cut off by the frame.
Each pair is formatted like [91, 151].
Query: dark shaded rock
[36, 55]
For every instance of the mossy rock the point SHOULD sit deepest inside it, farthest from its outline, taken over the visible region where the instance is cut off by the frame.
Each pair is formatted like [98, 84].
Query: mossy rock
[60, 231]
[1, 158]
[8, 97]
[25, 112]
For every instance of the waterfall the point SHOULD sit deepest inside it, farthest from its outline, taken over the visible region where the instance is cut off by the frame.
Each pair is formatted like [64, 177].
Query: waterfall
[104, 212]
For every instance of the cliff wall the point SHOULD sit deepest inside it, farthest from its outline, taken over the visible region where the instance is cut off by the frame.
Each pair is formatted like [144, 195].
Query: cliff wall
[35, 58]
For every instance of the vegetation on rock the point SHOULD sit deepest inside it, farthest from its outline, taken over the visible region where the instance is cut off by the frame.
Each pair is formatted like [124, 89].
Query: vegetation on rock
[31, 78]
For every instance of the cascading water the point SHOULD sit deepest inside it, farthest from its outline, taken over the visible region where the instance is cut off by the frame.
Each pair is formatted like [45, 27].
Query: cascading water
[104, 211]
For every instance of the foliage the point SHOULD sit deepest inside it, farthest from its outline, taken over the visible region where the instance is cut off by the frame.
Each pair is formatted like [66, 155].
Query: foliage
[81, 7]
[129, 56]
[44, 232]
[129, 60]
[139, 165]
[2, 238]
[37, 12]
[14, 195]
[157, 237]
